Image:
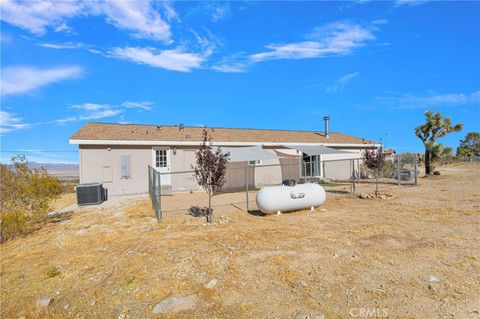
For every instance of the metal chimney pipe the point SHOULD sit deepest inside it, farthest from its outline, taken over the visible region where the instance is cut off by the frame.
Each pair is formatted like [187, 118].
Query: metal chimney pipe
[327, 126]
[180, 127]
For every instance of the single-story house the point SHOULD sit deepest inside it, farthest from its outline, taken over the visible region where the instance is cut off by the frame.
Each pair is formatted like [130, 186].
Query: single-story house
[118, 155]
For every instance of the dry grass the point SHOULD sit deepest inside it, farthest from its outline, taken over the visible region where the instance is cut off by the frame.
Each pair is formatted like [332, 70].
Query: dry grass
[116, 259]
[64, 201]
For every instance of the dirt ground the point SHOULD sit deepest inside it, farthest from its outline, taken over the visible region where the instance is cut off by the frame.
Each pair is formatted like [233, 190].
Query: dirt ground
[415, 255]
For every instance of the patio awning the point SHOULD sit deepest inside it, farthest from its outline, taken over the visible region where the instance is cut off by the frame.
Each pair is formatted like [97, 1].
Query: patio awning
[316, 150]
[249, 153]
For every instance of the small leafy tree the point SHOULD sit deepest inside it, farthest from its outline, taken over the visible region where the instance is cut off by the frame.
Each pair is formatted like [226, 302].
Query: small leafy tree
[374, 160]
[210, 170]
[434, 127]
[470, 145]
[25, 196]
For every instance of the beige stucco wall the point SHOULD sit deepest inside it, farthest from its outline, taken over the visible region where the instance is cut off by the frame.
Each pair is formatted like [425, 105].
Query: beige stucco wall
[100, 163]
[272, 175]
[339, 166]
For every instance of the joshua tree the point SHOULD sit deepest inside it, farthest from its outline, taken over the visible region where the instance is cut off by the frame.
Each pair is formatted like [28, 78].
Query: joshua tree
[434, 127]
[210, 170]
[470, 146]
[374, 160]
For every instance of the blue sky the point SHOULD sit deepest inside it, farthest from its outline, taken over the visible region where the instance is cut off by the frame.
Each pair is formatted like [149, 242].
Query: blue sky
[374, 67]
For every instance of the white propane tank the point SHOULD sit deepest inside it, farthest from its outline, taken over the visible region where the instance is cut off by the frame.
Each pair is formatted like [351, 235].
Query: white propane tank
[287, 198]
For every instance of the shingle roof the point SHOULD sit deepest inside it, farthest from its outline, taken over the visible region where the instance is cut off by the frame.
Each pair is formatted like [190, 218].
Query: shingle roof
[137, 132]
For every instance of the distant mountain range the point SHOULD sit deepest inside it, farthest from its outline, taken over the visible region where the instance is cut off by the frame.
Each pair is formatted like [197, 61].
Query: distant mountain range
[55, 167]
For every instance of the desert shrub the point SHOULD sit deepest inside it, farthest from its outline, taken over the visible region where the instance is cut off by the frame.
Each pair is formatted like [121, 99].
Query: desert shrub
[25, 197]
[128, 280]
[410, 158]
[389, 168]
[440, 155]
[53, 272]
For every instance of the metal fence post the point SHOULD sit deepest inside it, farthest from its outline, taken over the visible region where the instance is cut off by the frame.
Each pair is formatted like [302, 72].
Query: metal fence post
[353, 175]
[304, 172]
[398, 170]
[246, 179]
[160, 214]
[150, 181]
[415, 169]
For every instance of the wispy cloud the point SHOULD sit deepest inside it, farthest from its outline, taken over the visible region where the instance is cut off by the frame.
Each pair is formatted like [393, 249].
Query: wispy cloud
[37, 16]
[404, 101]
[235, 63]
[221, 11]
[147, 106]
[398, 2]
[97, 111]
[140, 17]
[409, 2]
[23, 79]
[64, 45]
[341, 83]
[214, 10]
[169, 12]
[10, 122]
[234, 67]
[175, 60]
[339, 38]
[91, 115]
[90, 106]
[202, 46]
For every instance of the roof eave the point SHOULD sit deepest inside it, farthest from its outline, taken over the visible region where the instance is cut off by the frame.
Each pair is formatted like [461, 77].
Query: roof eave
[196, 143]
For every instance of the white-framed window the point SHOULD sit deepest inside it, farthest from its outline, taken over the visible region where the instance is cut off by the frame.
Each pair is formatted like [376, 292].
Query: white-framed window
[311, 165]
[161, 158]
[253, 163]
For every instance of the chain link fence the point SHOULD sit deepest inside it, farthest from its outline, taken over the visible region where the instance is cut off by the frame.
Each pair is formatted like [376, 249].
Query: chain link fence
[398, 169]
[180, 192]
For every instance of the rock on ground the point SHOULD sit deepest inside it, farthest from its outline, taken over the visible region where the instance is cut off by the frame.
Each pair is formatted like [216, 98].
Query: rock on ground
[212, 283]
[431, 278]
[307, 315]
[44, 302]
[175, 304]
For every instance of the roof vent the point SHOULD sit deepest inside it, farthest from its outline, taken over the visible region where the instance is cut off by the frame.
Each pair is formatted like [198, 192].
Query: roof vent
[181, 127]
[158, 128]
[187, 136]
[327, 126]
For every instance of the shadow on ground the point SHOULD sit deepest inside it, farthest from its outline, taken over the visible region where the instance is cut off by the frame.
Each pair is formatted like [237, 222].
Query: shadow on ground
[257, 213]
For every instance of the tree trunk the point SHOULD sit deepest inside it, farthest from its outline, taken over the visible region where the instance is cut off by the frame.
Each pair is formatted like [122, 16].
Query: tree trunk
[427, 162]
[376, 185]
[209, 212]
